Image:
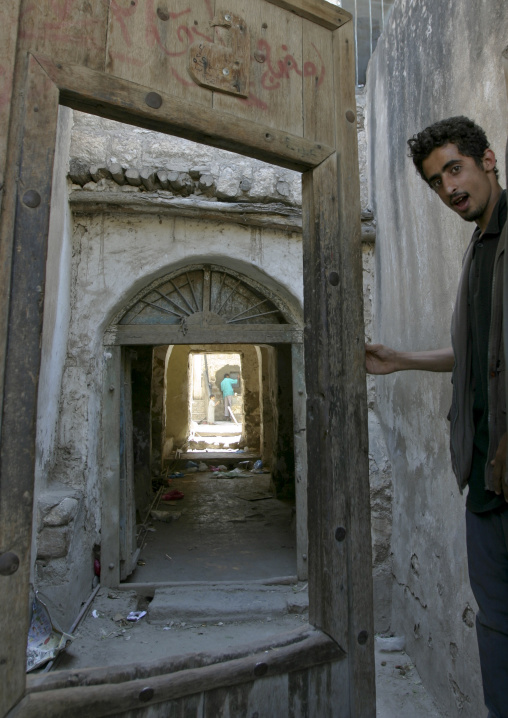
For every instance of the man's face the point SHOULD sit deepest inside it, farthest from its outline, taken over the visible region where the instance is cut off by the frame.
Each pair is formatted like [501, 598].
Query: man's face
[461, 184]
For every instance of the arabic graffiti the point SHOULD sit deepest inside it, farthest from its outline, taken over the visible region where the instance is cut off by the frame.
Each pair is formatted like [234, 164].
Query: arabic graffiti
[170, 32]
[280, 70]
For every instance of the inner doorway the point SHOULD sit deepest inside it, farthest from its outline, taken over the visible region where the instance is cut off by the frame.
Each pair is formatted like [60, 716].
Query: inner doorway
[207, 502]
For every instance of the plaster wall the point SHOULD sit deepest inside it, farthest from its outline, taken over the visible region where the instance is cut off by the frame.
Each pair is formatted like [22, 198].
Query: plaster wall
[434, 60]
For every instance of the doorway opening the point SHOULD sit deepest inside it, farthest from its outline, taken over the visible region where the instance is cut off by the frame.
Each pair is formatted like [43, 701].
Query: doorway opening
[204, 501]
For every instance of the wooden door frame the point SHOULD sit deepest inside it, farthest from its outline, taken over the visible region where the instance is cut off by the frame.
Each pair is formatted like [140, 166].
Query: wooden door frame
[340, 580]
[111, 455]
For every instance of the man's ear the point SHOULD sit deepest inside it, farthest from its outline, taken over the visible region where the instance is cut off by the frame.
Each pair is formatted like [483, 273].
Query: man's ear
[488, 160]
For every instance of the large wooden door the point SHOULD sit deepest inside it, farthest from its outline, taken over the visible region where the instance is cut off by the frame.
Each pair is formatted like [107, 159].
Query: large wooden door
[272, 80]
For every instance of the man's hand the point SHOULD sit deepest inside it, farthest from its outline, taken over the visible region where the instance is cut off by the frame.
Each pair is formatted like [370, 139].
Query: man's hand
[380, 359]
[499, 464]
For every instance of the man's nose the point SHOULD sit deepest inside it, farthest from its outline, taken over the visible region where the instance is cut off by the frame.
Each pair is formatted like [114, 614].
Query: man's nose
[449, 185]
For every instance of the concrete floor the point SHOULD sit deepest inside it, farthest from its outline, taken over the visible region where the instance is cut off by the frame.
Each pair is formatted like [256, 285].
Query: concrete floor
[108, 639]
[230, 539]
[223, 530]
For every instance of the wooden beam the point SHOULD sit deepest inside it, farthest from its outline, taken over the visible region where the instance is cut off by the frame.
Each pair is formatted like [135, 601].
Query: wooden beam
[317, 11]
[95, 701]
[101, 94]
[110, 490]
[340, 573]
[153, 334]
[269, 216]
[24, 329]
[97, 676]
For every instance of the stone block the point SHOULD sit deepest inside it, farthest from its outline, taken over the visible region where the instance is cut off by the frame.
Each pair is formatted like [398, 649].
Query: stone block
[99, 172]
[132, 177]
[79, 172]
[53, 542]
[62, 513]
[228, 184]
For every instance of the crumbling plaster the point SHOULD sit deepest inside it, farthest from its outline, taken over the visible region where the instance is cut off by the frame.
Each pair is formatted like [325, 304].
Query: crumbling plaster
[433, 60]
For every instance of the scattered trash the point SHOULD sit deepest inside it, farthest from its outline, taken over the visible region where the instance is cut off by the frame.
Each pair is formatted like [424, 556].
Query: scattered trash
[169, 557]
[176, 475]
[173, 495]
[389, 644]
[136, 615]
[258, 464]
[244, 465]
[166, 516]
[191, 464]
[222, 468]
[97, 567]
[141, 563]
[95, 613]
[202, 466]
[45, 641]
[191, 470]
[214, 468]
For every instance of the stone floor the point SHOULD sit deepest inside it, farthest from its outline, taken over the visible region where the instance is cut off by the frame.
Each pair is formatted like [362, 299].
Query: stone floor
[224, 529]
[225, 537]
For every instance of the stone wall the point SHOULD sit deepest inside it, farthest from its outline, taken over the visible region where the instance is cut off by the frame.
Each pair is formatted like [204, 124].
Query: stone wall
[434, 60]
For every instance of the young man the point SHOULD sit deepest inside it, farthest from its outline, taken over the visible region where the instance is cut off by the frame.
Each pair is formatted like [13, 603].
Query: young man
[453, 156]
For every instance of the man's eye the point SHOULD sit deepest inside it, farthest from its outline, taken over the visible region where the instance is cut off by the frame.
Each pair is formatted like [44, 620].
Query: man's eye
[455, 169]
[436, 184]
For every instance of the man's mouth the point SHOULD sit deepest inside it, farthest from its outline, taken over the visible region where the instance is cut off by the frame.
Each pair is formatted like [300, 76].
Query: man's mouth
[460, 201]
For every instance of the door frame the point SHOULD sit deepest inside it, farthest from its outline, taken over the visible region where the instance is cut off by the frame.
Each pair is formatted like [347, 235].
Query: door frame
[340, 580]
[112, 457]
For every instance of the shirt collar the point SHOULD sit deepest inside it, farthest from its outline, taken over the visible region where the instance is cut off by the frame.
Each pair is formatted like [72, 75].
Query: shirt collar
[497, 218]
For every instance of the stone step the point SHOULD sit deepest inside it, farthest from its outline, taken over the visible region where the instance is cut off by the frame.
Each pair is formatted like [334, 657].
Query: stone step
[204, 603]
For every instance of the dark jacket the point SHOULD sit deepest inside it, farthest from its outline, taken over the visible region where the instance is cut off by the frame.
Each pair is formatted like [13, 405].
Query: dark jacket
[461, 412]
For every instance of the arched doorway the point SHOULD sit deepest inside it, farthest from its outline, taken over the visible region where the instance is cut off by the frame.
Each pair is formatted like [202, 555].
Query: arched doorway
[196, 308]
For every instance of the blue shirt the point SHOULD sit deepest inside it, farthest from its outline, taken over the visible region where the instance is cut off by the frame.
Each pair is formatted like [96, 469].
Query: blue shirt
[226, 386]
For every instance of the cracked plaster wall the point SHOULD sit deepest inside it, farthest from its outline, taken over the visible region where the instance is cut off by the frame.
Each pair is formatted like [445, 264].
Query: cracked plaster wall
[434, 60]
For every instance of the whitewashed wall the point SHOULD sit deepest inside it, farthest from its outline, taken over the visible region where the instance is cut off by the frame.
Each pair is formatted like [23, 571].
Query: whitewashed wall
[434, 60]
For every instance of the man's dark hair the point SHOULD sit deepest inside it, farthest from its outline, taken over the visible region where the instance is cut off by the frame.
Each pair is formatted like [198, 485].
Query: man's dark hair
[468, 137]
[225, 375]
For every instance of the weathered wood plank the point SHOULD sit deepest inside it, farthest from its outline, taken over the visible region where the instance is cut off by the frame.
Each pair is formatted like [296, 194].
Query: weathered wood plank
[317, 11]
[276, 68]
[110, 493]
[148, 43]
[112, 699]
[318, 86]
[68, 30]
[300, 448]
[356, 476]
[278, 216]
[326, 442]
[24, 328]
[119, 674]
[12, 78]
[132, 334]
[9, 18]
[96, 93]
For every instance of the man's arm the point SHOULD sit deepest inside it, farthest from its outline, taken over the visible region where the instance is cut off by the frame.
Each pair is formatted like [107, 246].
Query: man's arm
[383, 360]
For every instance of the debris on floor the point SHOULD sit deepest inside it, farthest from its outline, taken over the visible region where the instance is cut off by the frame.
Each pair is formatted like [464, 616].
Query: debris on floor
[166, 516]
[45, 641]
